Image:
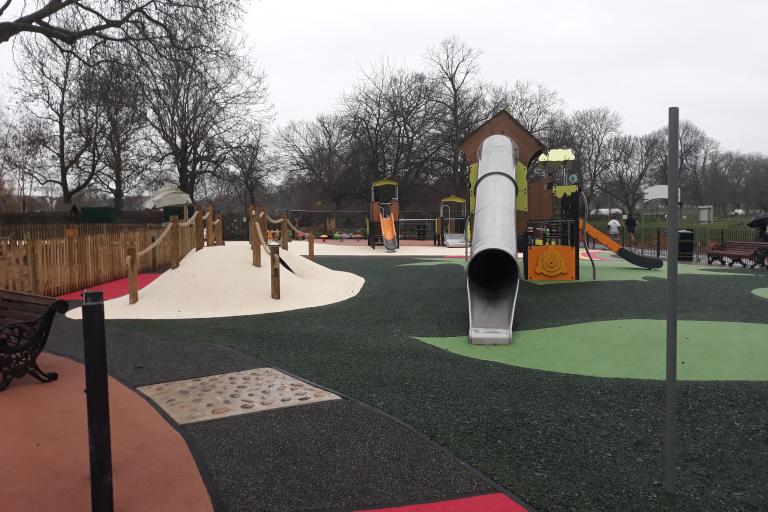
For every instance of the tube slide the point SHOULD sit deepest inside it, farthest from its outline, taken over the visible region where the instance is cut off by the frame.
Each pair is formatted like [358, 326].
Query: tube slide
[388, 232]
[638, 260]
[493, 276]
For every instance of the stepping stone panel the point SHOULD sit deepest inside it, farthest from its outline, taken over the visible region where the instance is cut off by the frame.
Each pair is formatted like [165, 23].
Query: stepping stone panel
[232, 394]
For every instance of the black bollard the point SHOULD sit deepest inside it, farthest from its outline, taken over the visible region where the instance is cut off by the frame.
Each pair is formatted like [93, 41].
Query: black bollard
[97, 396]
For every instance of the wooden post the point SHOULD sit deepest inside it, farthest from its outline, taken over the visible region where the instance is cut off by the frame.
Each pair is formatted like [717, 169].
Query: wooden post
[251, 234]
[199, 241]
[175, 249]
[209, 227]
[186, 213]
[284, 231]
[153, 253]
[255, 242]
[31, 261]
[274, 253]
[133, 285]
[263, 220]
[311, 240]
[219, 230]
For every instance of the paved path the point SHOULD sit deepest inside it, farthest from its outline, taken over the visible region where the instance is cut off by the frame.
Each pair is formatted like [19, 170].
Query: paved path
[44, 446]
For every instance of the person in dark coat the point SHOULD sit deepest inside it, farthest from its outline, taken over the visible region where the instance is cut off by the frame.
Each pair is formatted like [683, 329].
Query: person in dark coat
[631, 225]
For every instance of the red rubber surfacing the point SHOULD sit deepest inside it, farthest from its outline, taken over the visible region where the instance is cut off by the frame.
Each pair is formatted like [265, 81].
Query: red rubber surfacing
[495, 502]
[112, 289]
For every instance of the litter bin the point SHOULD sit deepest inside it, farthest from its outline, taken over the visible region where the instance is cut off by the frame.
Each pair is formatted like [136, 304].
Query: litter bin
[684, 245]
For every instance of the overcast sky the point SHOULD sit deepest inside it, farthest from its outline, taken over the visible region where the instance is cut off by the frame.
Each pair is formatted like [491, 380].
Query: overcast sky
[708, 57]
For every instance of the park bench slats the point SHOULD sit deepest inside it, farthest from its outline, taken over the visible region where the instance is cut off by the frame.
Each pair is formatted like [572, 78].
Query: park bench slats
[8, 316]
[25, 321]
[25, 298]
[737, 251]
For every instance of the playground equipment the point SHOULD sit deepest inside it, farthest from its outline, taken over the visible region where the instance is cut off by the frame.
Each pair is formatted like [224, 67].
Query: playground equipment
[179, 238]
[552, 248]
[384, 214]
[451, 226]
[498, 153]
[492, 271]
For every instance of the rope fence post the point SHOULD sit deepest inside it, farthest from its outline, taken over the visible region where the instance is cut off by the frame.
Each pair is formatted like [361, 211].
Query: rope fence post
[220, 232]
[153, 254]
[251, 213]
[262, 216]
[255, 243]
[311, 241]
[175, 250]
[209, 227]
[274, 256]
[284, 231]
[199, 241]
[133, 285]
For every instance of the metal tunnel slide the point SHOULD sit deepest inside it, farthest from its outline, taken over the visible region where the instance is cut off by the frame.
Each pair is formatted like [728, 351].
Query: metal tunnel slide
[493, 275]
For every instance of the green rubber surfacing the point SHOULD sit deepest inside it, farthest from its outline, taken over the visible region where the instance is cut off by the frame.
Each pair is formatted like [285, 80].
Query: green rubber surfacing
[631, 349]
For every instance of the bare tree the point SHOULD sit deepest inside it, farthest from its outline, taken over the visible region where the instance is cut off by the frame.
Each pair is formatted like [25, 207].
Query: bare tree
[591, 130]
[533, 105]
[631, 161]
[115, 87]
[114, 20]
[197, 95]
[461, 99]
[67, 125]
[393, 123]
[320, 154]
[249, 170]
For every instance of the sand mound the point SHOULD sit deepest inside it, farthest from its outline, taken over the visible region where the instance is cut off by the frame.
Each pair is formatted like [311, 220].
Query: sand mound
[221, 282]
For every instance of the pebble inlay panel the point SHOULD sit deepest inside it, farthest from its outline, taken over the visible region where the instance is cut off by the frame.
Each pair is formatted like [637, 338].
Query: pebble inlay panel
[230, 394]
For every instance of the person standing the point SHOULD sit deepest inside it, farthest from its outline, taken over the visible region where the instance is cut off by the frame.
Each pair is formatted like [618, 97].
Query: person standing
[631, 227]
[613, 228]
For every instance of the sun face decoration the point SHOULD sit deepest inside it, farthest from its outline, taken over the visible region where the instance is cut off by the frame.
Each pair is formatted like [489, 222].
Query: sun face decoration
[551, 263]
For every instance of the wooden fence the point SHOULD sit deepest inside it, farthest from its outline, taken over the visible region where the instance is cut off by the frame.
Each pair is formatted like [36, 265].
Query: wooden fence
[54, 260]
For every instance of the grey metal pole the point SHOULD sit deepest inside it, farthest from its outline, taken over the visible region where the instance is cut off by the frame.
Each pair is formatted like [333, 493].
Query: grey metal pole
[97, 401]
[670, 386]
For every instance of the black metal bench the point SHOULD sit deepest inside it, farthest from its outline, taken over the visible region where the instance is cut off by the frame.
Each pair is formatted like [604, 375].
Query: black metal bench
[25, 322]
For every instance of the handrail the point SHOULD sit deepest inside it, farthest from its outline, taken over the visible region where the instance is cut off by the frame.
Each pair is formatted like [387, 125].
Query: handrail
[261, 237]
[294, 228]
[156, 242]
[190, 221]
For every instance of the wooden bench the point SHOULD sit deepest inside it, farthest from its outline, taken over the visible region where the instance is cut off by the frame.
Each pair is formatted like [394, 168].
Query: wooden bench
[25, 322]
[745, 253]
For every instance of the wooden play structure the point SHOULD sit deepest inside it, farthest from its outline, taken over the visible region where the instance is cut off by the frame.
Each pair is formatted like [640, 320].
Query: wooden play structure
[180, 238]
[384, 215]
[547, 209]
[451, 224]
[263, 239]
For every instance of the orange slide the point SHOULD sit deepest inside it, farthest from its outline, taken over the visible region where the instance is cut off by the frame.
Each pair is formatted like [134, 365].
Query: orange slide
[648, 262]
[388, 233]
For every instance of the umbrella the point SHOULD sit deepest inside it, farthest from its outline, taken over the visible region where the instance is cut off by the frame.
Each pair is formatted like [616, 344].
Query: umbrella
[759, 220]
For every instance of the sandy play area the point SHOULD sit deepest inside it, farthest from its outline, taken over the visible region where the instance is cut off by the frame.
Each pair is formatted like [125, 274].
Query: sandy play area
[221, 281]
